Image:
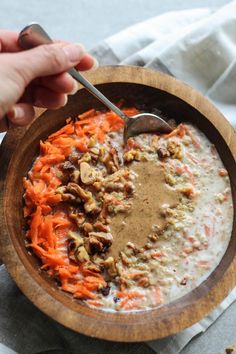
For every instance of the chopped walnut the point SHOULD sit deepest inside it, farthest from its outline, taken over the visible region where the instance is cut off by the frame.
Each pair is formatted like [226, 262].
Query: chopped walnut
[110, 265]
[94, 151]
[75, 189]
[99, 241]
[74, 177]
[93, 267]
[113, 186]
[111, 166]
[76, 249]
[64, 171]
[86, 196]
[92, 142]
[132, 155]
[188, 191]
[97, 185]
[87, 227]
[76, 238]
[115, 159]
[154, 142]
[67, 166]
[102, 151]
[81, 255]
[98, 260]
[162, 152]
[175, 149]
[78, 217]
[153, 237]
[91, 207]
[66, 196]
[107, 158]
[105, 237]
[85, 158]
[101, 227]
[88, 174]
[95, 246]
[74, 157]
[170, 179]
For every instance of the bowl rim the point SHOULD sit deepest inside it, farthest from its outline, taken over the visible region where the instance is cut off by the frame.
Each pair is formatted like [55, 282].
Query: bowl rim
[118, 327]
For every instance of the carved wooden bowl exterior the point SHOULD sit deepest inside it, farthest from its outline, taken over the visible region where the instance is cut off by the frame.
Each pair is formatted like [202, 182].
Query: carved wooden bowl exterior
[136, 85]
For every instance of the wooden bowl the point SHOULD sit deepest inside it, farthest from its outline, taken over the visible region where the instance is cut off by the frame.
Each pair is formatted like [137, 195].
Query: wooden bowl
[175, 100]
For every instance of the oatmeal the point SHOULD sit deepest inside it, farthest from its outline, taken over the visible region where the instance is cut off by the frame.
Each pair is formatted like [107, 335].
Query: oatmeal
[132, 227]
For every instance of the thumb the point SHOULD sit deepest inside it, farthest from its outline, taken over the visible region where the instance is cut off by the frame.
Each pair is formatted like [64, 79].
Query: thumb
[46, 60]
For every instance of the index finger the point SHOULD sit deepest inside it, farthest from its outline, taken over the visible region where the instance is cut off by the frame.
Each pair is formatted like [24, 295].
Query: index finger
[8, 41]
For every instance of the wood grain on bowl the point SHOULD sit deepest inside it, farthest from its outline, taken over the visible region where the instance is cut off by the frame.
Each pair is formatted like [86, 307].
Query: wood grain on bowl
[153, 90]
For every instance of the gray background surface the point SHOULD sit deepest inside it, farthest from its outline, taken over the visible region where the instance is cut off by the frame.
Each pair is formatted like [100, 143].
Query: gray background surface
[88, 22]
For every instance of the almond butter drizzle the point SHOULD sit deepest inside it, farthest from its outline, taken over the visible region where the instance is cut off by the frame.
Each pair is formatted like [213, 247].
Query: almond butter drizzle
[151, 193]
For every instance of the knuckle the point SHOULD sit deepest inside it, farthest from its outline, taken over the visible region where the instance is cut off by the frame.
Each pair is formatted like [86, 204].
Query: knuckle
[55, 56]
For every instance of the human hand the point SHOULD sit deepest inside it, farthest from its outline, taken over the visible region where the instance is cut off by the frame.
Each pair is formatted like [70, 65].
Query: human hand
[36, 77]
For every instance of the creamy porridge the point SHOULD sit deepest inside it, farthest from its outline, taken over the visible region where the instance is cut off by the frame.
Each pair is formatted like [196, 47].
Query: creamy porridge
[130, 227]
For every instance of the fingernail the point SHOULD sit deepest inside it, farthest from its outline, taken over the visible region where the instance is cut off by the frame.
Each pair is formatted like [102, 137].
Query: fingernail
[74, 52]
[65, 101]
[95, 64]
[16, 113]
[75, 88]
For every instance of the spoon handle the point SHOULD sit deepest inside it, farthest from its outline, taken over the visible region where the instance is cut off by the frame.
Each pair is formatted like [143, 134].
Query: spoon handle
[34, 35]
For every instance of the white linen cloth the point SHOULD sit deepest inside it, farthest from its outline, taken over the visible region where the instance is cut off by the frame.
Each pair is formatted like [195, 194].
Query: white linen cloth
[197, 46]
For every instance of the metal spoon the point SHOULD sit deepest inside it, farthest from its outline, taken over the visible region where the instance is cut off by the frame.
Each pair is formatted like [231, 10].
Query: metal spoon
[34, 35]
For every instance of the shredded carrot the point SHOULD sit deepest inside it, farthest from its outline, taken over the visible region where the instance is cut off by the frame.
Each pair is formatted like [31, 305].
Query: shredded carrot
[67, 129]
[188, 250]
[190, 174]
[127, 299]
[135, 275]
[131, 144]
[132, 304]
[192, 158]
[48, 231]
[87, 114]
[207, 230]
[35, 224]
[95, 303]
[203, 264]
[194, 139]
[83, 293]
[143, 281]
[130, 295]
[179, 170]
[156, 296]
[222, 172]
[180, 131]
[157, 254]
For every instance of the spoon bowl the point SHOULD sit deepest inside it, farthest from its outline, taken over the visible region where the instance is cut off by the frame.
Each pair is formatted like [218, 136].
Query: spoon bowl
[145, 123]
